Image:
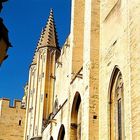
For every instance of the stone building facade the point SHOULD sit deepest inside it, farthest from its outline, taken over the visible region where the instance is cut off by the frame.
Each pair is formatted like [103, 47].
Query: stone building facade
[11, 120]
[89, 89]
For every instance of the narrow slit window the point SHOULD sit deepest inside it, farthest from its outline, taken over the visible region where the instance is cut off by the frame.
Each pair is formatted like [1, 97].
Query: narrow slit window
[19, 123]
[119, 120]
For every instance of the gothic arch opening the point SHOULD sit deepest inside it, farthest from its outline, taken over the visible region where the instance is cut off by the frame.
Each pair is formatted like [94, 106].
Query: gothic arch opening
[116, 106]
[61, 133]
[75, 128]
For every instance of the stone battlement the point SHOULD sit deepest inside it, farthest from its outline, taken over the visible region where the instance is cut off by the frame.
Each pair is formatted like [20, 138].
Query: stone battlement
[12, 118]
[5, 102]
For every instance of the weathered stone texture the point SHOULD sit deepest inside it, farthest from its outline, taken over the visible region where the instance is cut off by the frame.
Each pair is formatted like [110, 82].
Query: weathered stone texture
[104, 37]
[10, 118]
[114, 51]
[77, 35]
[134, 25]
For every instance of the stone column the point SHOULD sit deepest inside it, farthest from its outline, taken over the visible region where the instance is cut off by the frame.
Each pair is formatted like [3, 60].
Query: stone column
[91, 68]
[28, 115]
[42, 87]
[37, 94]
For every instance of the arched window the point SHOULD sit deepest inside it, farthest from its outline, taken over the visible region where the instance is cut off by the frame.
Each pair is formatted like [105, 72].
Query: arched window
[51, 138]
[75, 130]
[116, 106]
[61, 133]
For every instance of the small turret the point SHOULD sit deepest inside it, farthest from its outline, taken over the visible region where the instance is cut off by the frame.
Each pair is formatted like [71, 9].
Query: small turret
[24, 99]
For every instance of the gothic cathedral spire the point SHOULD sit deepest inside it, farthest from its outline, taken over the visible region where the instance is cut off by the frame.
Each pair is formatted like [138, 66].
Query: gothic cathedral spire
[49, 35]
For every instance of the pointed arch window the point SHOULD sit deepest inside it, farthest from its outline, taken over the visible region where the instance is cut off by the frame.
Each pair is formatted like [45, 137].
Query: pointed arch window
[61, 133]
[51, 138]
[76, 117]
[116, 107]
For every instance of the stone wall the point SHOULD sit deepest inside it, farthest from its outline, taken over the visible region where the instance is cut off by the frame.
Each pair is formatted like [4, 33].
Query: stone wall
[11, 120]
[134, 31]
[114, 52]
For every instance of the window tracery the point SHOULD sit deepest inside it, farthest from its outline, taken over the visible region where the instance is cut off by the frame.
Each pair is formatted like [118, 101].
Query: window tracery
[116, 107]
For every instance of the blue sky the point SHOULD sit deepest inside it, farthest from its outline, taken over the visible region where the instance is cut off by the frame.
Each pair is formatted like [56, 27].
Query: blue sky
[24, 20]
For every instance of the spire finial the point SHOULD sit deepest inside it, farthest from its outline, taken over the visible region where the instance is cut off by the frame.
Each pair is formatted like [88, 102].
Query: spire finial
[51, 10]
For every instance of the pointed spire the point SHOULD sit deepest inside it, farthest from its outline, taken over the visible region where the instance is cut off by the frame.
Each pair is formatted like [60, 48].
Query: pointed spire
[48, 34]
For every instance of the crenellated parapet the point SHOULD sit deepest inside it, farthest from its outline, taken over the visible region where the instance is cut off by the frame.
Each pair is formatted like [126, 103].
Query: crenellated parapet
[5, 103]
[12, 118]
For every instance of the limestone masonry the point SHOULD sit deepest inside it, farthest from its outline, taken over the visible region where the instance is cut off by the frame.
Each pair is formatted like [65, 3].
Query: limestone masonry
[89, 89]
[11, 120]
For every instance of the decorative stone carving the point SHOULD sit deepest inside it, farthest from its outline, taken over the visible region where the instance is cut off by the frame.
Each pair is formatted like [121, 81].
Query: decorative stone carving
[56, 105]
[119, 85]
[41, 97]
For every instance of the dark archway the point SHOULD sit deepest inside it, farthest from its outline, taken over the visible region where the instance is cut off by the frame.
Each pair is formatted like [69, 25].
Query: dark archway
[61, 133]
[75, 130]
[51, 138]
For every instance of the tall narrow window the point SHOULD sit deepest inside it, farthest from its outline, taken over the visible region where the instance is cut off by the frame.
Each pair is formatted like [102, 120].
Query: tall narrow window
[19, 123]
[119, 120]
[116, 106]
[76, 116]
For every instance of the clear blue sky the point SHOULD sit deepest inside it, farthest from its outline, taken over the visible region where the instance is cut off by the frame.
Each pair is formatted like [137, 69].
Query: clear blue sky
[24, 20]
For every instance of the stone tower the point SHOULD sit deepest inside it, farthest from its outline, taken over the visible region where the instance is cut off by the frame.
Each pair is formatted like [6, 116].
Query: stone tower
[41, 80]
